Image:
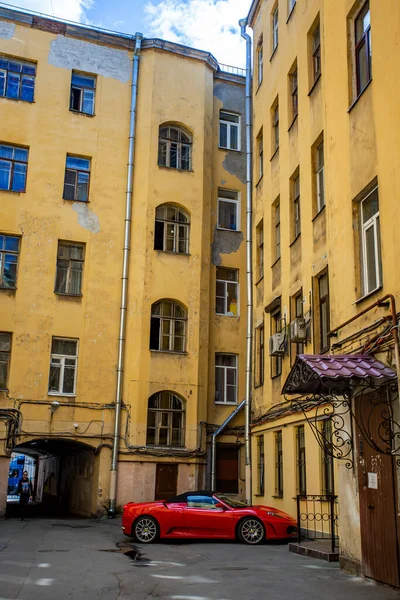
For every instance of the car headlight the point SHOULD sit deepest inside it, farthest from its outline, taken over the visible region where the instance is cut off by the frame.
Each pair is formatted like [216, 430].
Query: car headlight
[271, 513]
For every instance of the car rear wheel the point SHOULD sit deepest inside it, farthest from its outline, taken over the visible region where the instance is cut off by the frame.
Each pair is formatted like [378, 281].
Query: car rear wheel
[145, 530]
[251, 531]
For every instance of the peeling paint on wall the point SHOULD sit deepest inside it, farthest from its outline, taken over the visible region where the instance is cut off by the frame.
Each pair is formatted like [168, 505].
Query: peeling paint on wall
[234, 163]
[7, 30]
[69, 53]
[225, 242]
[86, 217]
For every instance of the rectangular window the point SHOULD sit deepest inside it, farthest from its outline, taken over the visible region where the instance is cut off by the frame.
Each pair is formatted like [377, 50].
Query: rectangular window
[17, 79]
[276, 327]
[260, 250]
[297, 313]
[278, 465]
[371, 243]
[228, 209]
[260, 150]
[363, 50]
[275, 126]
[291, 5]
[77, 176]
[323, 305]
[301, 460]
[259, 356]
[316, 56]
[226, 379]
[260, 465]
[9, 253]
[227, 292]
[83, 90]
[277, 210]
[5, 349]
[13, 168]
[319, 176]
[63, 366]
[296, 206]
[275, 28]
[294, 94]
[327, 458]
[70, 258]
[260, 60]
[229, 130]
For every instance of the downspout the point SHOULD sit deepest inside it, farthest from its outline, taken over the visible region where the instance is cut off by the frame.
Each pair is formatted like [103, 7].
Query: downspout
[214, 442]
[249, 274]
[125, 274]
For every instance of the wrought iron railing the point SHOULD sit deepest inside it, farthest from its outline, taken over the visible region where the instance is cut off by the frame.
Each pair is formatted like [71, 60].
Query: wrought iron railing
[232, 70]
[318, 518]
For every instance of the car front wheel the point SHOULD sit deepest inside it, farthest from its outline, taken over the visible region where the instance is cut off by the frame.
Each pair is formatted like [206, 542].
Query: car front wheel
[251, 531]
[145, 530]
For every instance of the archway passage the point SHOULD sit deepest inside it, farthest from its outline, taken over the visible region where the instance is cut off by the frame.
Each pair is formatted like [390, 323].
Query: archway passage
[64, 478]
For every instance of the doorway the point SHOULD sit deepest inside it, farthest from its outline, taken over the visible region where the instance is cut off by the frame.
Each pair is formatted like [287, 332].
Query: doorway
[166, 481]
[227, 469]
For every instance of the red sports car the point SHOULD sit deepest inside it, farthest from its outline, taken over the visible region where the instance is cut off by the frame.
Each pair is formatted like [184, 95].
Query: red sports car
[205, 515]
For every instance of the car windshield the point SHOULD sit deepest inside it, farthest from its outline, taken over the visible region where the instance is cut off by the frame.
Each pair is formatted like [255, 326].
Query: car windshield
[230, 502]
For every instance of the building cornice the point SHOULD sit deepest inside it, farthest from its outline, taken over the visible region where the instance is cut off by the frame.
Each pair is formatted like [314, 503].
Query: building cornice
[255, 5]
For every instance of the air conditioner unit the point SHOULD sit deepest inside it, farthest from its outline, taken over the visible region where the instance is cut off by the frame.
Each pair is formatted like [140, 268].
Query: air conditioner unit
[277, 344]
[298, 330]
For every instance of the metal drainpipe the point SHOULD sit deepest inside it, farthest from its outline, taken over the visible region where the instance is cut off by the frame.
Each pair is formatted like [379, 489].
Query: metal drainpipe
[249, 273]
[214, 441]
[125, 273]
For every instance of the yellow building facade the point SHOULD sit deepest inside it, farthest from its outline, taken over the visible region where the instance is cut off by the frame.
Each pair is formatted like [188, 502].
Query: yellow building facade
[325, 248]
[66, 105]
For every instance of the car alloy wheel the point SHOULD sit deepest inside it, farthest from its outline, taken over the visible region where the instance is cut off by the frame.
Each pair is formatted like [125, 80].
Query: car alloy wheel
[146, 530]
[251, 531]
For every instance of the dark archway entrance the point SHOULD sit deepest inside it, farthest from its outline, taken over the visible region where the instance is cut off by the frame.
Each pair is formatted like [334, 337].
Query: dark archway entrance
[64, 477]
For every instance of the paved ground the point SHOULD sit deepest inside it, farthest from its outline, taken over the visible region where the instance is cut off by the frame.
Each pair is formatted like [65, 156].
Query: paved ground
[50, 559]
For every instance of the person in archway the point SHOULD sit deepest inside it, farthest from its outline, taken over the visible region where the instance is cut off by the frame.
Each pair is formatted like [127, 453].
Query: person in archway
[25, 494]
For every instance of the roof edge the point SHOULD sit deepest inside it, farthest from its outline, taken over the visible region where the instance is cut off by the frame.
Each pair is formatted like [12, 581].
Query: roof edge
[252, 12]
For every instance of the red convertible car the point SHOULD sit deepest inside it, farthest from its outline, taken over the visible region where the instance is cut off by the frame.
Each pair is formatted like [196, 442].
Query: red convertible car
[205, 515]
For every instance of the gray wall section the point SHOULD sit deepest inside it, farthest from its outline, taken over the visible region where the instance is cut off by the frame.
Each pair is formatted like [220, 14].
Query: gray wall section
[6, 30]
[70, 53]
[225, 242]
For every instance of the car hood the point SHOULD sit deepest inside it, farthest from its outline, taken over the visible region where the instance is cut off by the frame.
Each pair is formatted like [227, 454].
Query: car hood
[272, 509]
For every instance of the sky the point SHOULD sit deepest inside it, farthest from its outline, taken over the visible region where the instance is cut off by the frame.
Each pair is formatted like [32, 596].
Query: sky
[210, 25]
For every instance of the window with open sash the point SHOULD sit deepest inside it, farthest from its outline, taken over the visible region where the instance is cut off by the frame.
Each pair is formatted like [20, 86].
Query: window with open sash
[226, 379]
[371, 243]
[13, 168]
[77, 177]
[363, 48]
[5, 349]
[301, 460]
[9, 254]
[168, 327]
[83, 90]
[17, 79]
[174, 148]
[229, 130]
[63, 366]
[227, 292]
[171, 232]
[165, 420]
[70, 258]
[228, 209]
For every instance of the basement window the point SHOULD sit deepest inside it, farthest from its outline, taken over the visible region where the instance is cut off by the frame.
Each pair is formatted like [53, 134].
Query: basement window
[171, 231]
[83, 91]
[76, 181]
[63, 366]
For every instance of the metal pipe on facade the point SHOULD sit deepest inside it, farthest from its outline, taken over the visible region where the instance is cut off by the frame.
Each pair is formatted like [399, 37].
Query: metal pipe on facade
[125, 274]
[214, 442]
[249, 266]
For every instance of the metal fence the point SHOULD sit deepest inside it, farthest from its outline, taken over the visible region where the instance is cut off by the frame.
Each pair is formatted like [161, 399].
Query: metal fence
[232, 70]
[318, 518]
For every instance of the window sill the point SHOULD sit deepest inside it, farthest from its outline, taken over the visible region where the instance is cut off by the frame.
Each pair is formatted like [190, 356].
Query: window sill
[13, 191]
[290, 14]
[81, 113]
[227, 229]
[295, 240]
[260, 179]
[293, 122]
[273, 264]
[219, 148]
[5, 287]
[274, 154]
[258, 385]
[314, 85]
[259, 280]
[170, 252]
[368, 295]
[279, 374]
[258, 87]
[259, 494]
[64, 295]
[231, 315]
[274, 51]
[359, 96]
[175, 169]
[226, 403]
[59, 395]
[277, 496]
[75, 200]
[168, 352]
[18, 100]
[321, 210]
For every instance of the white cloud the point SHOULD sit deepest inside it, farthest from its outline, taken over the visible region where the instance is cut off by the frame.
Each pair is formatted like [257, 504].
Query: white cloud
[73, 10]
[210, 25]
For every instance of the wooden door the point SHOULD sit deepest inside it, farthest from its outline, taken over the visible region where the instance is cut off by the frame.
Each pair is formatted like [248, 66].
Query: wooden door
[227, 469]
[166, 481]
[378, 522]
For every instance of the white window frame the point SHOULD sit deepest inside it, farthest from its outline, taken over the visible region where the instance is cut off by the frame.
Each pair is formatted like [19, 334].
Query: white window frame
[225, 386]
[373, 222]
[260, 62]
[320, 175]
[229, 125]
[275, 28]
[170, 335]
[63, 357]
[174, 225]
[232, 201]
[225, 283]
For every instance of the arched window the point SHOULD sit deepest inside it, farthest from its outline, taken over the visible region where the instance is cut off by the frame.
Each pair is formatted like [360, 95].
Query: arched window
[168, 326]
[165, 420]
[171, 231]
[174, 148]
